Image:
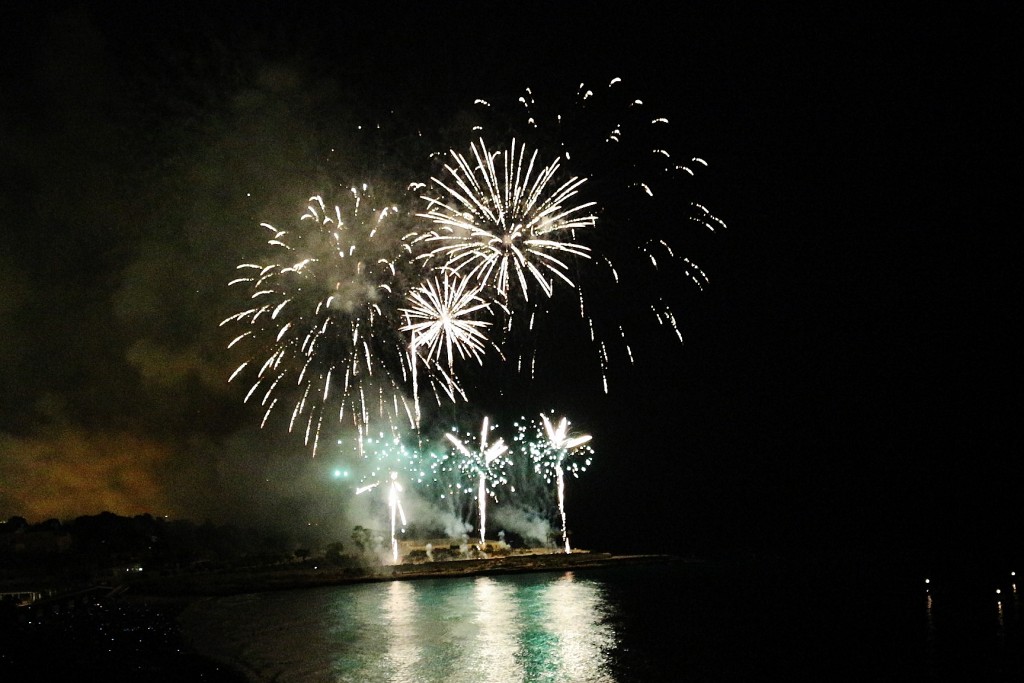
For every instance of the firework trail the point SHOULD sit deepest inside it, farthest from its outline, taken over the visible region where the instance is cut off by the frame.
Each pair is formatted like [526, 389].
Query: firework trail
[451, 485]
[488, 464]
[553, 452]
[633, 184]
[324, 319]
[394, 505]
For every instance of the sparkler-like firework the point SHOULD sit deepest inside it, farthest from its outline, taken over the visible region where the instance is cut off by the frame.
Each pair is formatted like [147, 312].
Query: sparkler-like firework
[394, 505]
[554, 451]
[487, 463]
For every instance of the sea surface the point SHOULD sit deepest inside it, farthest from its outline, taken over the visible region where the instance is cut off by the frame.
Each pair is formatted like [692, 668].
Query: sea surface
[676, 621]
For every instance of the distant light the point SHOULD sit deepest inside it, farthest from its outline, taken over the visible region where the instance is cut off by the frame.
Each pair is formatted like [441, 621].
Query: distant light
[998, 591]
[927, 580]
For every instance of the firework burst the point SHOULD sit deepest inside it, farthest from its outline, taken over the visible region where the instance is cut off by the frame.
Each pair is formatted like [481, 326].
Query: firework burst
[633, 184]
[440, 319]
[323, 319]
[503, 221]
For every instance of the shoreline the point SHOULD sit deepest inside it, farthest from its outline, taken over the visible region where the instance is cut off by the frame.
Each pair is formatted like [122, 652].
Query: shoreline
[136, 632]
[184, 587]
[298, 579]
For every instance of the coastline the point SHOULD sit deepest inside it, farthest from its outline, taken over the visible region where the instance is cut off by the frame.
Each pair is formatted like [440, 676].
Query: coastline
[313, 574]
[135, 632]
[193, 594]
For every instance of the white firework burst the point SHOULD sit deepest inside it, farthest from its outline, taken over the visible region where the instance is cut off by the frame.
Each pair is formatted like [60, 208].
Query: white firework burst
[440, 318]
[503, 221]
[324, 320]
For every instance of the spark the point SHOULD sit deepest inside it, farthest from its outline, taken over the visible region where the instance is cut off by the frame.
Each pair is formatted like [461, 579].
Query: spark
[552, 454]
[440, 319]
[323, 322]
[488, 464]
[621, 147]
[503, 222]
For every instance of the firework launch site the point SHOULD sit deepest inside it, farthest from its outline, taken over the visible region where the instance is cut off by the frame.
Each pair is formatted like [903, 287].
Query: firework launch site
[106, 556]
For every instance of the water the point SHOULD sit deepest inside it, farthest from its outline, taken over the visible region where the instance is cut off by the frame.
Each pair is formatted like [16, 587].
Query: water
[657, 622]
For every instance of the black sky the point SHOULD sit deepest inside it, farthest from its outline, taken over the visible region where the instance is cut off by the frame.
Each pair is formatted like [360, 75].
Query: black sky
[848, 380]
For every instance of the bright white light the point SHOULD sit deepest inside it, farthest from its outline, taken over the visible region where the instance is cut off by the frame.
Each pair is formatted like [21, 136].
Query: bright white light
[484, 462]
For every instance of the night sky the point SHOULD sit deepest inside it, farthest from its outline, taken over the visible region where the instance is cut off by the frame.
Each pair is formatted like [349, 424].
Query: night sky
[849, 380]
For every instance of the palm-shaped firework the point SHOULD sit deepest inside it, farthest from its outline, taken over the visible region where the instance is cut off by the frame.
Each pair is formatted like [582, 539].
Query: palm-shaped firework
[488, 463]
[394, 505]
[555, 452]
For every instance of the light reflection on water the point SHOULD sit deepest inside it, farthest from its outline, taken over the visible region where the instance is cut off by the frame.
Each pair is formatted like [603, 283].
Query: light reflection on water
[496, 644]
[645, 623]
[403, 654]
[542, 627]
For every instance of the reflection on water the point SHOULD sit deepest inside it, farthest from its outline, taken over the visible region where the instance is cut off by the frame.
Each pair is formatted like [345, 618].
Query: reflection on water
[403, 655]
[545, 627]
[574, 610]
[496, 619]
[646, 623]
[562, 632]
